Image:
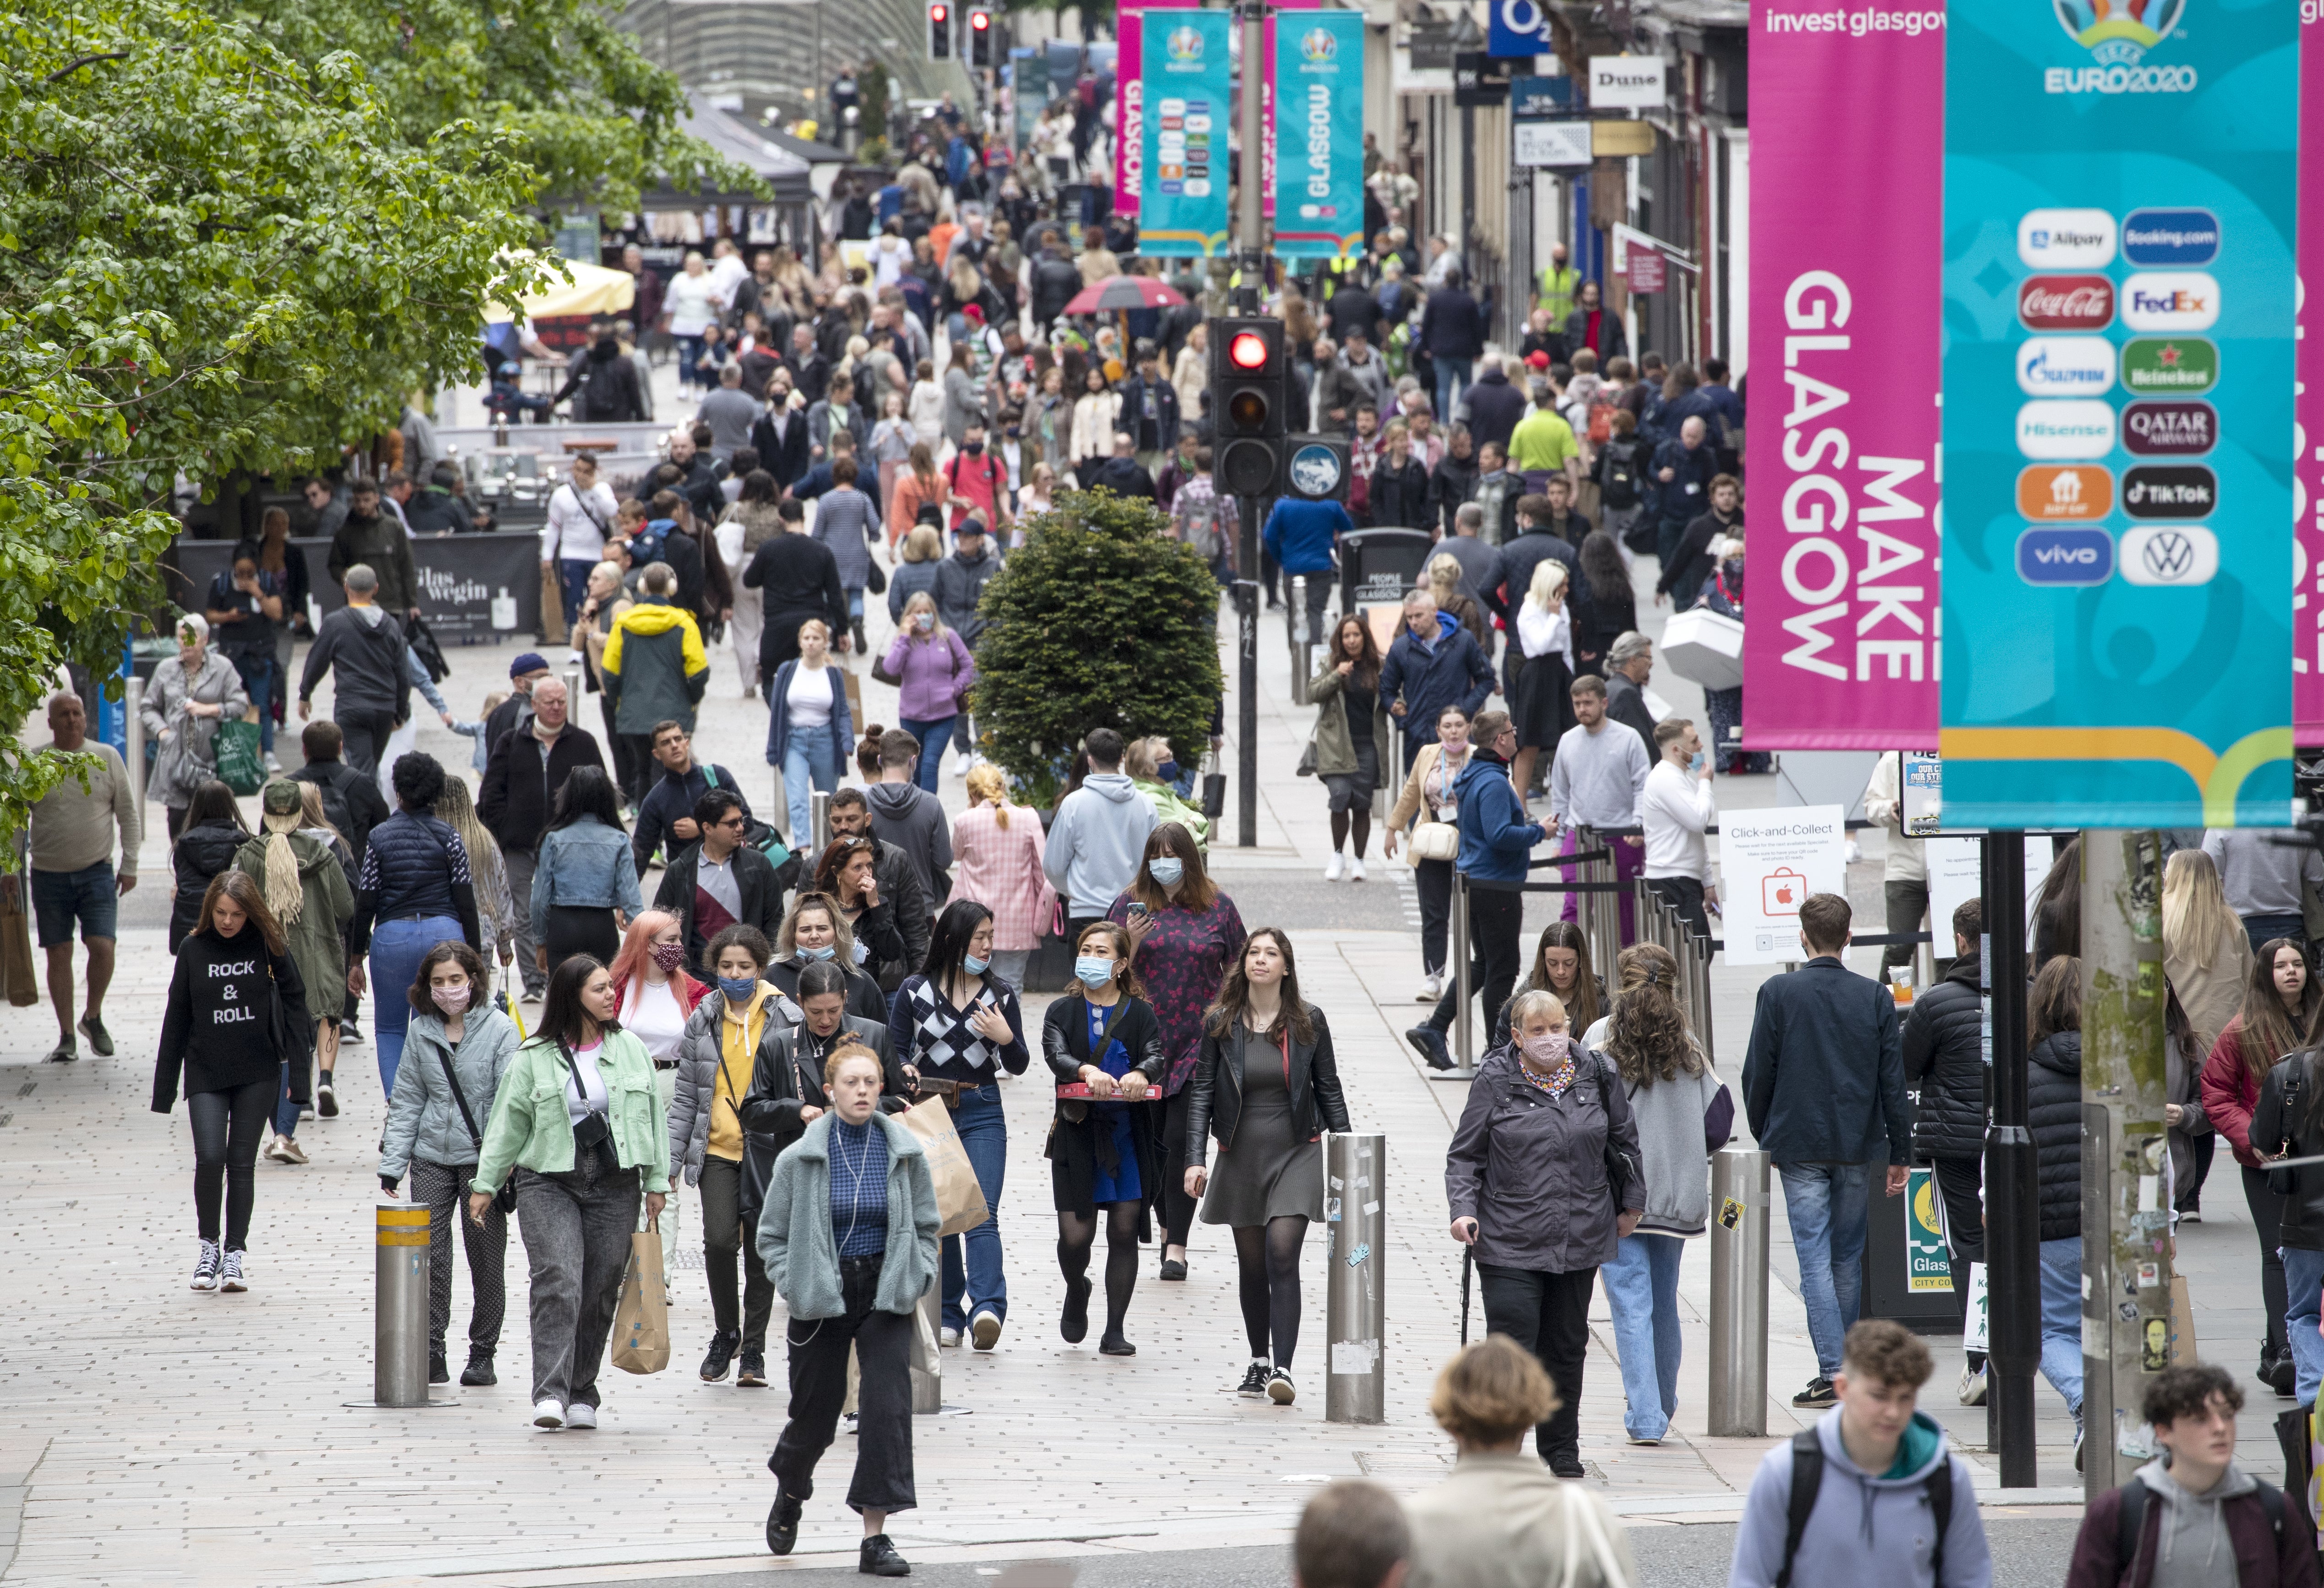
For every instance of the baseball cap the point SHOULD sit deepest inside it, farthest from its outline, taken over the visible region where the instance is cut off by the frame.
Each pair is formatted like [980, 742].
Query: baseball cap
[1537, 359]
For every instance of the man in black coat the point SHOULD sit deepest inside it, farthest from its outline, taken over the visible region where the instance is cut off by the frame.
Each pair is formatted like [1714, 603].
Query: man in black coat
[1629, 663]
[526, 769]
[797, 578]
[1944, 1061]
[718, 881]
[1055, 281]
[1823, 1087]
[1453, 331]
[779, 436]
[1495, 406]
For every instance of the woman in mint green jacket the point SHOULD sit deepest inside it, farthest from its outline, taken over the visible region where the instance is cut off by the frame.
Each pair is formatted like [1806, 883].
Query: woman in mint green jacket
[579, 1124]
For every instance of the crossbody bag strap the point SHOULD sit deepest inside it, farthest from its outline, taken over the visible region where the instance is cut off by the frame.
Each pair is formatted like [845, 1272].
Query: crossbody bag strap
[459, 1097]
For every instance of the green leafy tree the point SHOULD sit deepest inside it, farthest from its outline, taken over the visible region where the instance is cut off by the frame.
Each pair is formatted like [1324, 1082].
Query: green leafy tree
[1098, 620]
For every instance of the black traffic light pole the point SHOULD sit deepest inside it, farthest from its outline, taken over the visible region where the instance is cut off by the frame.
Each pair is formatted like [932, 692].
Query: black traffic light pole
[2013, 1247]
[1250, 17]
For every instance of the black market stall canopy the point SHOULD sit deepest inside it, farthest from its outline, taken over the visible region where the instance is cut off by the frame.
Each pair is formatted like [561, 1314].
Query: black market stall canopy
[778, 162]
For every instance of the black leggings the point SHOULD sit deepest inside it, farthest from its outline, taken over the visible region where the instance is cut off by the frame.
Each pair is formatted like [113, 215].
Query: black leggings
[228, 1127]
[1077, 1234]
[1172, 1206]
[2267, 1217]
[1266, 1263]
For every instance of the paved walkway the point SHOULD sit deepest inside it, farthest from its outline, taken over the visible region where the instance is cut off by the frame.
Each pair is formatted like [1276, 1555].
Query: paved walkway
[150, 1435]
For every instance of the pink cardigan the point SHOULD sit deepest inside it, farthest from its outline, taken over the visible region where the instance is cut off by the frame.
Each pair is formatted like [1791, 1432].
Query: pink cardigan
[1001, 869]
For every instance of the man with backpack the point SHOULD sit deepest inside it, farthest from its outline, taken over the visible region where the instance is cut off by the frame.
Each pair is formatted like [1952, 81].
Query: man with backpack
[976, 483]
[1858, 1497]
[2191, 1517]
[1620, 474]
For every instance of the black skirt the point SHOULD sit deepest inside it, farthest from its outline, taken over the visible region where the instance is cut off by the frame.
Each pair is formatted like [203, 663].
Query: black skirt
[1073, 1159]
[1541, 708]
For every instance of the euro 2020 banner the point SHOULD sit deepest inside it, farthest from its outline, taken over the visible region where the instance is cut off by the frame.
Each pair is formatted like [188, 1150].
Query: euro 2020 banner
[1319, 106]
[1183, 195]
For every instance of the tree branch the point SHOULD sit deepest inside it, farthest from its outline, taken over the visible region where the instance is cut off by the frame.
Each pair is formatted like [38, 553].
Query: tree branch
[67, 70]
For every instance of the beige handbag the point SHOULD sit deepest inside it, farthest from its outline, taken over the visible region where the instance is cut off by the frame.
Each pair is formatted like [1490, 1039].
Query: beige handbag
[1433, 841]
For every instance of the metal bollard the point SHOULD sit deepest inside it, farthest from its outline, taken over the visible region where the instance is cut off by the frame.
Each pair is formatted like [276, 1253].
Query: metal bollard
[1456, 949]
[928, 1382]
[1738, 1292]
[1355, 1321]
[400, 1342]
[133, 704]
[1296, 620]
[818, 822]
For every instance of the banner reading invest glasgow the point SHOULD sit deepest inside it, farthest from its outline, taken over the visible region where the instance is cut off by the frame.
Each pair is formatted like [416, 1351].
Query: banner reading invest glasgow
[1319, 107]
[2307, 422]
[1182, 201]
[1848, 136]
[2119, 188]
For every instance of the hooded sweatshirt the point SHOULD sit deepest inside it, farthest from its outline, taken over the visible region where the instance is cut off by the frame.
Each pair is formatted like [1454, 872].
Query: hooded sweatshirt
[2192, 1548]
[913, 820]
[1864, 1528]
[654, 669]
[1097, 840]
[363, 648]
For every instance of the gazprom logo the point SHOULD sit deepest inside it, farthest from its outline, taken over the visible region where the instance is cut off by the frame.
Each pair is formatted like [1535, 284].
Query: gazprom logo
[2065, 367]
[2049, 554]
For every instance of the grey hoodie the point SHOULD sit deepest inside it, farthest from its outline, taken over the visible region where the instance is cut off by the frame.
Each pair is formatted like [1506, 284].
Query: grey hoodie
[1863, 1529]
[912, 819]
[2192, 1548]
[1674, 1139]
[1097, 841]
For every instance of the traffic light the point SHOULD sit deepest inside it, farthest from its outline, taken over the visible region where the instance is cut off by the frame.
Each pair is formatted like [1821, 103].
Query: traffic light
[980, 38]
[939, 30]
[1249, 390]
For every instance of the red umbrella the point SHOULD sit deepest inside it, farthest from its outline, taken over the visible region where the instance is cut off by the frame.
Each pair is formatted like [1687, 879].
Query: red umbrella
[1121, 293]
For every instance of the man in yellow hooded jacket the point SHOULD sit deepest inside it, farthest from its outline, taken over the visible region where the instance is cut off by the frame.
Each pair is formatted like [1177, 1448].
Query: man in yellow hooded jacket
[654, 669]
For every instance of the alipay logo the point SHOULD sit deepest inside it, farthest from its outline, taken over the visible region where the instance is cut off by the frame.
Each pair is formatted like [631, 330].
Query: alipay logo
[2055, 431]
[2065, 367]
[2066, 239]
[2052, 555]
[2170, 554]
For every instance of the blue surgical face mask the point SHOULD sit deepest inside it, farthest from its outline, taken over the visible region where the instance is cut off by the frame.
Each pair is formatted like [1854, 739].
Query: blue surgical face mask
[1167, 870]
[1694, 763]
[974, 965]
[1094, 973]
[825, 952]
[1168, 772]
[739, 988]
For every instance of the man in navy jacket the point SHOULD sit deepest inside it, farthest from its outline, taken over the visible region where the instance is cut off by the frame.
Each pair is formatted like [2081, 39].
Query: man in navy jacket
[1497, 838]
[1824, 1086]
[1435, 663]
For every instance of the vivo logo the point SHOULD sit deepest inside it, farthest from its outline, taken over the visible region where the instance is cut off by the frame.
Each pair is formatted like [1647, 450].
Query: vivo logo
[2051, 555]
[2169, 301]
[2066, 431]
[2065, 367]
[2066, 239]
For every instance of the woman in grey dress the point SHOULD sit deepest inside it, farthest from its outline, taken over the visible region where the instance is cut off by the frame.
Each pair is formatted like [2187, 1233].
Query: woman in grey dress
[1266, 1084]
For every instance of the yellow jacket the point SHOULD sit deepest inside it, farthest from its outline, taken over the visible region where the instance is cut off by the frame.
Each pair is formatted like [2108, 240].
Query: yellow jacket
[654, 669]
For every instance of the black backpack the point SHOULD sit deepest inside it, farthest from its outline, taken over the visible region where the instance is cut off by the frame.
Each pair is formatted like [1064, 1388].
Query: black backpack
[335, 804]
[2132, 1518]
[1807, 1481]
[607, 396]
[1618, 473]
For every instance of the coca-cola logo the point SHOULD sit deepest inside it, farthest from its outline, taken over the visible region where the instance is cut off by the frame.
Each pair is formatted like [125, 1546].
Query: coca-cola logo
[2066, 303]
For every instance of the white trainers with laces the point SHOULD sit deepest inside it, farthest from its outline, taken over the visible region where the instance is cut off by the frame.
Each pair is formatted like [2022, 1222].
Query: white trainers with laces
[1338, 865]
[1431, 988]
[578, 1416]
[230, 1275]
[206, 1267]
[1355, 868]
[546, 1413]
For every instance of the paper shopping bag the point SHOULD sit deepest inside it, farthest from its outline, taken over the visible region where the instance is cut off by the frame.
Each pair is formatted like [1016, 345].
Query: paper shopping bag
[641, 1321]
[960, 1200]
[23, 985]
[552, 605]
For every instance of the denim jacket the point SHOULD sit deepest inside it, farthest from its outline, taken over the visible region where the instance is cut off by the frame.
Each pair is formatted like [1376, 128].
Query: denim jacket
[587, 865]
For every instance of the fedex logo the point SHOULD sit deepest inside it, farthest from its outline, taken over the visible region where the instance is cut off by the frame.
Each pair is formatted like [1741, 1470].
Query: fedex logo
[2170, 301]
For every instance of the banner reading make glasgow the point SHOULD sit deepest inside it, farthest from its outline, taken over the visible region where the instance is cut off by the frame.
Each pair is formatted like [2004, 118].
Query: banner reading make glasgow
[2119, 180]
[2308, 425]
[1848, 134]
[1183, 197]
[1319, 106]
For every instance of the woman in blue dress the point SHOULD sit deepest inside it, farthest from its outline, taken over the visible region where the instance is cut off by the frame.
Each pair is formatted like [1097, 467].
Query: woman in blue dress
[1104, 1046]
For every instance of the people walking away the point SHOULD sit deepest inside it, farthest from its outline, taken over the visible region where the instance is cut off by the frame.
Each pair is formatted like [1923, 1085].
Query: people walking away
[585, 886]
[1496, 842]
[1611, 608]
[2265, 879]
[1427, 796]
[73, 875]
[810, 726]
[1533, 1187]
[996, 849]
[1677, 807]
[1494, 404]
[907, 817]
[2206, 955]
[1267, 1110]
[529, 765]
[679, 782]
[849, 1240]
[1102, 1042]
[1891, 1502]
[1350, 738]
[364, 648]
[1433, 663]
[1541, 668]
[1943, 1047]
[351, 802]
[1351, 1535]
[234, 1026]
[798, 580]
[246, 611]
[2286, 1123]
[1824, 1085]
[307, 894]
[2193, 1516]
[212, 834]
[577, 1128]
[1099, 834]
[1904, 873]
[2279, 1016]
[654, 671]
[414, 884]
[1561, 964]
[848, 521]
[497, 911]
[459, 1045]
[2187, 1130]
[1304, 539]
[934, 672]
[719, 879]
[186, 699]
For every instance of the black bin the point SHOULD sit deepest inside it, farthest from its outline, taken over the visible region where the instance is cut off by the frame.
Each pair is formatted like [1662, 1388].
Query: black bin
[1377, 568]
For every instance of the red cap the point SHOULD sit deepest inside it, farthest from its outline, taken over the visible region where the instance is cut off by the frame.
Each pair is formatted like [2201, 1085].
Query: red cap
[974, 312]
[1536, 359]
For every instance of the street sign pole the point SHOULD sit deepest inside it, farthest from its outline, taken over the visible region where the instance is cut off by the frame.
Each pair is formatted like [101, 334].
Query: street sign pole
[1250, 15]
[2012, 1189]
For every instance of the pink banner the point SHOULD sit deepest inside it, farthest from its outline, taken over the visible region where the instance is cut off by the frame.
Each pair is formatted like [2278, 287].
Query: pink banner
[2308, 405]
[1841, 647]
[1129, 98]
[1267, 100]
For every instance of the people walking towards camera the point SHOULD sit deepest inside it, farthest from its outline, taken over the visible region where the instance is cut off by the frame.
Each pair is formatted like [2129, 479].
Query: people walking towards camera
[1104, 1048]
[817, 932]
[73, 879]
[954, 1027]
[1266, 1086]
[457, 1048]
[236, 1017]
[306, 892]
[849, 1239]
[578, 1130]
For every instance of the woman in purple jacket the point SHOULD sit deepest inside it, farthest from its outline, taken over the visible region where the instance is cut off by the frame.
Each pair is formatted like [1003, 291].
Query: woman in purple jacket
[933, 669]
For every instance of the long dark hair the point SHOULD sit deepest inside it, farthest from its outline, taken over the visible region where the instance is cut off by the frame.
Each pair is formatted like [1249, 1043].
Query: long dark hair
[1365, 674]
[2057, 916]
[1118, 935]
[244, 889]
[2056, 1004]
[1602, 560]
[562, 1017]
[1197, 892]
[213, 801]
[833, 860]
[1649, 1040]
[948, 942]
[1226, 1013]
[587, 791]
[1581, 1006]
[2269, 1031]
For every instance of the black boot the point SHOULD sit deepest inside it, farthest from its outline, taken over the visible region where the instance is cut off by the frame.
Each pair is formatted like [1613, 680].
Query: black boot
[2284, 1377]
[440, 1372]
[479, 1369]
[879, 1558]
[861, 646]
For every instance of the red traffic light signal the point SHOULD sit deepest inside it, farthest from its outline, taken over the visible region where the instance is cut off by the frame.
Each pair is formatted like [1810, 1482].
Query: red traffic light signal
[1246, 350]
[980, 20]
[939, 30]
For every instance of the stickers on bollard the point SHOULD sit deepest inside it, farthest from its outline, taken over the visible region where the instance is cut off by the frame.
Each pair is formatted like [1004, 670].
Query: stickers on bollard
[1731, 1213]
[1359, 1255]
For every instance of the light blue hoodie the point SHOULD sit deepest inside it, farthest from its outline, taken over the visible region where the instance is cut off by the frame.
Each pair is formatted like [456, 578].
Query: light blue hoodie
[1863, 1529]
[1097, 841]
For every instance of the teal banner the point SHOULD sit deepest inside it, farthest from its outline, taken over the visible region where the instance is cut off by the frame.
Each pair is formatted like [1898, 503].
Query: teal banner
[1319, 134]
[1183, 192]
[2118, 300]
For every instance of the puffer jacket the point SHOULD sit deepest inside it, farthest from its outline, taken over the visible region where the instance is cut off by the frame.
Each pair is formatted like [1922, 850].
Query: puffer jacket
[1944, 1058]
[654, 669]
[423, 1121]
[2054, 1110]
[201, 853]
[694, 1095]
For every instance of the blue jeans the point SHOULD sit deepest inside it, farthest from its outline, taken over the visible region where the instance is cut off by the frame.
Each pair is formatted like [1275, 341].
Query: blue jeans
[1826, 1203]
[2303, 1285]
[689, 354]
[809, 754]
[2061, 1320]
[1451, 381]
[982, 1286]
[397, 947]
[933, 737]
[256, 671]
[1642, 1289]
[573, 580]
[286, 1112]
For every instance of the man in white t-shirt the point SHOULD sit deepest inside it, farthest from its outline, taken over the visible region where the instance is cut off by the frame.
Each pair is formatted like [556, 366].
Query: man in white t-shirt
[580, 521]
[1676, 807]
[726, 273]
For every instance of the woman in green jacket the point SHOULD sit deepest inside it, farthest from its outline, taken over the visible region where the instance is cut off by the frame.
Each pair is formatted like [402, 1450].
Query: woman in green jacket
[578, 1123]
[307, 892]
[1350, 741]
[849, 1237]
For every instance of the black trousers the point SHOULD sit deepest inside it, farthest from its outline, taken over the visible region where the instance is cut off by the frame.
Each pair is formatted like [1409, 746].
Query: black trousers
[228, 1127]
[1549, 1315]
[1495, 919]
[443, 1189]
[722, 1254]
[2267, 1216]
[1959, 1182]
[581, 929]
[636, 780]
[1907, 902]
[1172, 1206]
[626, 757]
[1433, 881]
[365, 731]
[883, 1401]
[1684, 896]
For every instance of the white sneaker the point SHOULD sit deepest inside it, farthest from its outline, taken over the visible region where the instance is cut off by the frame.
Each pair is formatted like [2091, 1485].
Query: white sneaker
[1431, 988]
[984, 1330]
[948, 1336]
[230, 1275]
[579, 1416]
[1355, 868]
[272, 765]
[546, 1413]
[1339, 863]
[288, 1149]
[272, 1151]
[961, 763]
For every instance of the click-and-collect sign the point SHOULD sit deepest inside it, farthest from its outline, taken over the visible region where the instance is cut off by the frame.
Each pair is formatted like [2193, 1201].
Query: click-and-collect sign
[2118, 308]
[1769, 861]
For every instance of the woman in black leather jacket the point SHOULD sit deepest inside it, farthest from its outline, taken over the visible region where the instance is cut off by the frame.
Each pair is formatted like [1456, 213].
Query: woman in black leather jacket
[2291, 1113]
[1266, 1084]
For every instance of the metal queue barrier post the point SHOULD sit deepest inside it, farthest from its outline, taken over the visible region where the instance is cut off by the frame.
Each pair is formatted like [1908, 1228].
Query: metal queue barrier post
[133, 704]
[818, 823]
[1355, 1321]
[1738, 1292]
[400, 1337]
[1456, 948]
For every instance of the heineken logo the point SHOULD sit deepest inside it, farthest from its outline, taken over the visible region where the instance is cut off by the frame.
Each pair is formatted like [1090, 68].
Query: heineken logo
[2177, 365]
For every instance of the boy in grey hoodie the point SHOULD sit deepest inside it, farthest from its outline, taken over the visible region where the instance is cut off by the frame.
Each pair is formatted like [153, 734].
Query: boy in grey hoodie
[910, 816]
[1874, 1520]
[1099, 837]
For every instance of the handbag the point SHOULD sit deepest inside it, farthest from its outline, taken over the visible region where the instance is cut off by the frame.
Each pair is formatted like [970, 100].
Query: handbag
[1433, 841]
[24, 986]
[1308, 759]
[1619, 1170]
[239, 765]
[552, 607]
[1214, 787]
[960, 691]
[2286, 1182]
[595, 1130]
[504, 1199]
[876, 580]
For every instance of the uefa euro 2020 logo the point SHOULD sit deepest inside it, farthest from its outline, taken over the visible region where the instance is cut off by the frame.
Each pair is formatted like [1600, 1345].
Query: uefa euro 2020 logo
[1185, 45]
[1317, 47]
[2118, 32]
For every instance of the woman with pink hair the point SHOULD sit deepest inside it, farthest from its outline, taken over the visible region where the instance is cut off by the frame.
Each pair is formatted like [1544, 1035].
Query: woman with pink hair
[653, 996]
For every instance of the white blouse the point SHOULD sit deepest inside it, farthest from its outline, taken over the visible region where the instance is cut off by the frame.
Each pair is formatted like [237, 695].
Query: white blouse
[1541, 633]
[810, 697]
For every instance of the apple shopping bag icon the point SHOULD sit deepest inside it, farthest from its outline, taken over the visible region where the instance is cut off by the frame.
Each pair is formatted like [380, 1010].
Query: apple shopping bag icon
[1780, 891]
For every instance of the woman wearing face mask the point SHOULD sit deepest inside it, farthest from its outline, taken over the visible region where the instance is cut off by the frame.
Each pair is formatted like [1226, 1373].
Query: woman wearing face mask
[1266, 1086]
[1104, 1048]
[1429, 797]
[954, 1028]
[816, 932]
[456, 1049]
[844, 875]
[1184, 934]
[1527, 1180]
[932, 668]
[730, 1032]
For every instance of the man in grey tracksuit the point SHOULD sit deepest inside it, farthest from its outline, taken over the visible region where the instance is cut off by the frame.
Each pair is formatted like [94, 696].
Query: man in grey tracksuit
[1099, 836]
